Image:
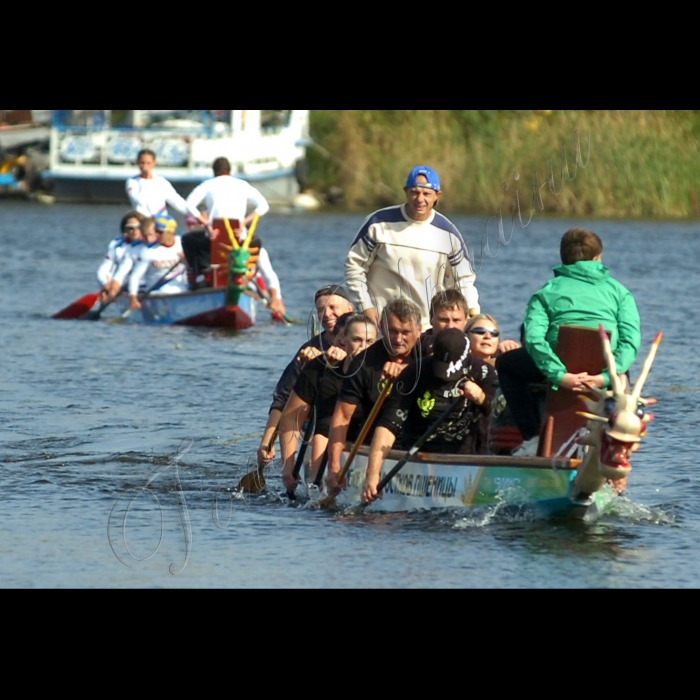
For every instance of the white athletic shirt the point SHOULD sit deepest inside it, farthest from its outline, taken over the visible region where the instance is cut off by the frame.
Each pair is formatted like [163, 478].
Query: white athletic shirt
[116, 251]
[133, 255]
[152, 196]
[227, 197]
[153, 263]
[266, 271]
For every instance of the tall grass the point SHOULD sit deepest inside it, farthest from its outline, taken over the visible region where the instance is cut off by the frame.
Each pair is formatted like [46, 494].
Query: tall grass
[642, 163]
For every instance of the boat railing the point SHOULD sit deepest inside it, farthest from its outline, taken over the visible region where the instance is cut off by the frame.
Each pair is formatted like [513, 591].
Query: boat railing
[556, 463]
[76, 146]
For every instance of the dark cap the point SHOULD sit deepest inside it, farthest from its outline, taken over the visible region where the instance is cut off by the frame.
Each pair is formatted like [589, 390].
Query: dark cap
[450, 353]
[333, 290]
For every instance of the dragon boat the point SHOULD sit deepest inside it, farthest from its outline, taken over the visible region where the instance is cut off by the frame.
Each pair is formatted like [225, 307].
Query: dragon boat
[205, 308]
[583, 459]
[227, 303]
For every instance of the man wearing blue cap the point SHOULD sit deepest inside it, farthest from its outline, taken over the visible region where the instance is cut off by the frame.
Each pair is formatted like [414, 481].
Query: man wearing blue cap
[410, 250]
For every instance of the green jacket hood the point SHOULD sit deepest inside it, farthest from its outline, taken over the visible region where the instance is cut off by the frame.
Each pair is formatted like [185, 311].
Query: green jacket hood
[591, 271]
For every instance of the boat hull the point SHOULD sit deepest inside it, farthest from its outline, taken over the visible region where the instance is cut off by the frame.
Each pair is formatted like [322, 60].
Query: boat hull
[201, 308]
[432, 481]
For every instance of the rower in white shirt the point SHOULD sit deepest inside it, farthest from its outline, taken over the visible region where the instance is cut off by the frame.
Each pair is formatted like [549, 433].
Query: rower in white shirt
[163, 260]
[118, 250]
[152, 194]
[133, 254]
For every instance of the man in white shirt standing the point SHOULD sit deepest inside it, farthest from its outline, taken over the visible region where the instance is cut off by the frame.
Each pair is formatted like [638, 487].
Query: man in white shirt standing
[228, 197]
[410, 250]
[152, 194]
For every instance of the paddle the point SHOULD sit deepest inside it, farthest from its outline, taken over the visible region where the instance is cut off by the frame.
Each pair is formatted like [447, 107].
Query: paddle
[267, 301]
[418, 444]
[78, 308]
[329, 501]
[318, 481]
[310, 425]
[254, 482]
[152, 288]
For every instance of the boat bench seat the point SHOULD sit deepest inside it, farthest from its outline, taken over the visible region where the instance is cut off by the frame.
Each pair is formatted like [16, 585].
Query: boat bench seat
[581, 350]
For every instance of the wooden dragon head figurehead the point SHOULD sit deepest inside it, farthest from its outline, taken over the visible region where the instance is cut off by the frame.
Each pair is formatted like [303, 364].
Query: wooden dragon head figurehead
[239, 256]
[617, 420]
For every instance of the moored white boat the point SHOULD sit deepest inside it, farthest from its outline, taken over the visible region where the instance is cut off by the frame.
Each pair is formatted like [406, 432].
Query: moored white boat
[93, 152]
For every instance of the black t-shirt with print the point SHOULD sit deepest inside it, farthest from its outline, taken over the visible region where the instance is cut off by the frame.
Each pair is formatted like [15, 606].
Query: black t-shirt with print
[409, 413]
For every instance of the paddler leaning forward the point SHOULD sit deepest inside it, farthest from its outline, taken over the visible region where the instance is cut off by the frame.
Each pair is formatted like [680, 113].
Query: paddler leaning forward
[383, 361]
[429, 388]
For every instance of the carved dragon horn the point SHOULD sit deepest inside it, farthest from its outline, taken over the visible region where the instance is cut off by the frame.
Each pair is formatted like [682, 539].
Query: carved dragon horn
[617, 386]
[646, 368]
[251, 232]
[236, 245]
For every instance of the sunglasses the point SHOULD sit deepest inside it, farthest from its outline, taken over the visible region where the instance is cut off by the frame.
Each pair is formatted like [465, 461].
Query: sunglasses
[131, 227]
[160, 231]
[483, 331]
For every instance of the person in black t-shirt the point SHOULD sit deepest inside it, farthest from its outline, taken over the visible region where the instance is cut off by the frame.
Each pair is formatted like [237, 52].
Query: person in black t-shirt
[436, 382]
[448, 309]
[383, 361]
[317, 388]
[331, 302]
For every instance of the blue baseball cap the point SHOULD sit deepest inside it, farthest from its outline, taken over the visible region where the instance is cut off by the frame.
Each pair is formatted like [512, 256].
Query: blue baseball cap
[432, 177]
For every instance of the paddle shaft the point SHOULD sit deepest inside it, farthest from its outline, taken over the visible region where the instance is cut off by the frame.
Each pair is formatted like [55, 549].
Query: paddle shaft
[265, 296]
[365, 431]
[308, 434]
[419, 443]
[153, 287]
[321, 470]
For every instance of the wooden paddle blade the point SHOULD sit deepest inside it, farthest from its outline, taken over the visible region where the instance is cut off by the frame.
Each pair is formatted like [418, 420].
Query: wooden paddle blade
[78, 308]
[254, 482]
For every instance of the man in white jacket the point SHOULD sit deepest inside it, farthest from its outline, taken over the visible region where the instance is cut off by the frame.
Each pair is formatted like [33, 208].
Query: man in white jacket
[410, 250]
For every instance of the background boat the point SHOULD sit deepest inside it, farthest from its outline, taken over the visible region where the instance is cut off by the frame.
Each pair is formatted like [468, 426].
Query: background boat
[205, 308]
[93, 151]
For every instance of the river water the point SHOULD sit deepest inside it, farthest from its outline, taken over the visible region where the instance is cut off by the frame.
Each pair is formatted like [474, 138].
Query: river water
[92, 413]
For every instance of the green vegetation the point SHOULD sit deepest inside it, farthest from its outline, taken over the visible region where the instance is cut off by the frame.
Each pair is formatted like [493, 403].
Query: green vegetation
[643, 163]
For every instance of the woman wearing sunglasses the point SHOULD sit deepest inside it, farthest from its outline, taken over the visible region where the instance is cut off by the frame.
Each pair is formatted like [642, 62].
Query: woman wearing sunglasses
[485, 338]
[119, 248]
[485, 343]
